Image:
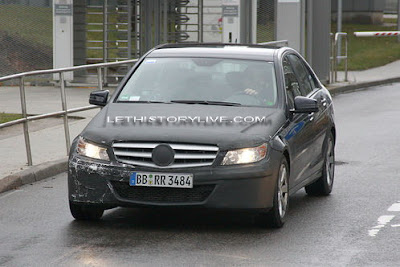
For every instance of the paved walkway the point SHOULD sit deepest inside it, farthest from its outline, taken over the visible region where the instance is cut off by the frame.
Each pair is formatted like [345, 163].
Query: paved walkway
[48, 142]
[391, 70]
[47, 137]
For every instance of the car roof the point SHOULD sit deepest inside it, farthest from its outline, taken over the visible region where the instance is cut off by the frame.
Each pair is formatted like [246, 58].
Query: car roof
[220, 50]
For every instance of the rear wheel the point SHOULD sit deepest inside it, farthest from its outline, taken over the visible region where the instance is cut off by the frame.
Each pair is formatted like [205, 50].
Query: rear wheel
[276, 216]
[323, 186]
[85, 212]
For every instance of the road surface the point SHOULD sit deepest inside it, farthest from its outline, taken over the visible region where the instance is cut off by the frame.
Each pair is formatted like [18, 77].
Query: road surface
[359, 224]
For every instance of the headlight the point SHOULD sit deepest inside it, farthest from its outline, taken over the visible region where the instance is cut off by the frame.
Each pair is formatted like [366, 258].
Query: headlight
[91, 150]
[245, 155]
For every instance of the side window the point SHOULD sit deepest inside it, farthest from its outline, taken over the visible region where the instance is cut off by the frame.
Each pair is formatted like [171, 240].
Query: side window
[305, 78]
[291, 82]
[312, 79]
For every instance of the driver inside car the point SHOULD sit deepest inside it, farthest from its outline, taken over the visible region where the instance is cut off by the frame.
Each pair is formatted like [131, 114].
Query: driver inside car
[253, 82]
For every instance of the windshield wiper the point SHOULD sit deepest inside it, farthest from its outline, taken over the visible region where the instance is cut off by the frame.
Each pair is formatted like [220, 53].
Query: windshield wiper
[203, 102]
[152, 102]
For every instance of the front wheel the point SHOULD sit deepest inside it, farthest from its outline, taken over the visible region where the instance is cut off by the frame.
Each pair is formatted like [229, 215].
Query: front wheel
[323, 186]
[85, 212]
[276, 216]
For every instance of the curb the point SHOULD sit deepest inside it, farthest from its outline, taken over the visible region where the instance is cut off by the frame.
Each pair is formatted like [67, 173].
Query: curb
[51, 168]
[360, 86]
[33, 174]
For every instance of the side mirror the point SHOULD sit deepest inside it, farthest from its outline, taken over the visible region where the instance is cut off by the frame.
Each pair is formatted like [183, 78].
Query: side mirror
[305, 105]
[99, 98]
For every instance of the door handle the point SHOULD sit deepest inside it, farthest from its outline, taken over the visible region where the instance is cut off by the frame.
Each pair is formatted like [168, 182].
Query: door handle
[323, 102]
[311, 116]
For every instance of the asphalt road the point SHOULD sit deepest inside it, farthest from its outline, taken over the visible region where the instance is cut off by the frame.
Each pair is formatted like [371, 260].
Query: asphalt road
[359, 224]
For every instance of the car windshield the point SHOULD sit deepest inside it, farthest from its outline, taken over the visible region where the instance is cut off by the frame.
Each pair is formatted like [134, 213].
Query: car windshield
[210, 81]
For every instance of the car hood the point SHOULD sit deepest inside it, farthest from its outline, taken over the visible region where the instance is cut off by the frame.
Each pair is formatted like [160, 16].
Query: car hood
[115, 122]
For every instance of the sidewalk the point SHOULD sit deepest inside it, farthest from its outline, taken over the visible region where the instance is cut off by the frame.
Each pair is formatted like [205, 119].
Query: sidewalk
[389, 71]
[47, 138]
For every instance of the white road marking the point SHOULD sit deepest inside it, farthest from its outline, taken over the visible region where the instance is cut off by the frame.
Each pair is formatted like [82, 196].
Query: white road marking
[12, 192]
[373, 232]
[382, 221]
[385, 219]
[394, 207]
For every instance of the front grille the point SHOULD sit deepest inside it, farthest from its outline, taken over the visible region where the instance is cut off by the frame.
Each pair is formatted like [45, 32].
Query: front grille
[186, 155]
[198, 193]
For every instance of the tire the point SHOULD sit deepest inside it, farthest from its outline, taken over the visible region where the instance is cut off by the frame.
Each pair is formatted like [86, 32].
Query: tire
[85, 212]
[323, 186]
[275, 217]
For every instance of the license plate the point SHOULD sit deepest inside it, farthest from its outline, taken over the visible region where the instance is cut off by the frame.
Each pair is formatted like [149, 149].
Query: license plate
[153, 179]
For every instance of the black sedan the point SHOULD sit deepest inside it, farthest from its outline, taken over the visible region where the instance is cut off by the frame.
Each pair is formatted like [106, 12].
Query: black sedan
[207, 125]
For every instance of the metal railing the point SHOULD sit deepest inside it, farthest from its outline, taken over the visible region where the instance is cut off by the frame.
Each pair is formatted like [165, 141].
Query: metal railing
[276, 43]
[335, 57]
[65, 111]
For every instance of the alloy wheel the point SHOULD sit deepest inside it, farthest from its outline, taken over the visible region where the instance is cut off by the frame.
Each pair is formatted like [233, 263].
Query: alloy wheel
[330, 163]
[283, 191]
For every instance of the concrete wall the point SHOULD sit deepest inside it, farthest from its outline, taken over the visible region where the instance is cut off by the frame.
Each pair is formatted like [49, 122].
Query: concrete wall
[288, 23]
[320, 38]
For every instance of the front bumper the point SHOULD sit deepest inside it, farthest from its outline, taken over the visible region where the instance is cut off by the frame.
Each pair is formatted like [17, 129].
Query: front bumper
[227, 187]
